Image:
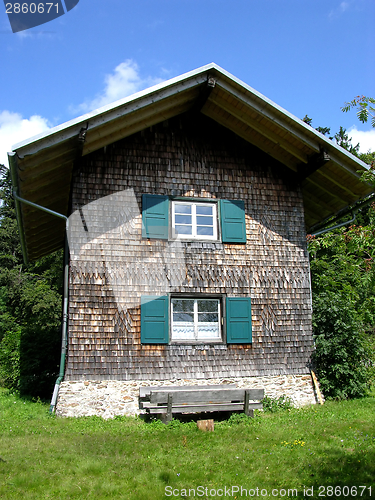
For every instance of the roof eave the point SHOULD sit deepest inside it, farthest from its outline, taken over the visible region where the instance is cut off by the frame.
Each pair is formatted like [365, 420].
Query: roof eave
[105, 113]
[286, 138]
[12, 159]
[122, 107]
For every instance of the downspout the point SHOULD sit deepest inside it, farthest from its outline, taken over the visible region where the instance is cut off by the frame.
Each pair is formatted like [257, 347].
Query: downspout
[64, 335]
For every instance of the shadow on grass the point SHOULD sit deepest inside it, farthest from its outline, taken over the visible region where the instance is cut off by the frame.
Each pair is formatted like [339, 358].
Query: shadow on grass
[183, 418]
[341, 468]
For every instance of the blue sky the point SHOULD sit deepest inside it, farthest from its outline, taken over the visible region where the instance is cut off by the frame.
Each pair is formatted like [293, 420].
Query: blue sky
[308, 56]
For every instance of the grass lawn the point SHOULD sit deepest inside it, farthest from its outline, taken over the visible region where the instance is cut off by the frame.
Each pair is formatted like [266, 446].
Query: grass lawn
[306, 451]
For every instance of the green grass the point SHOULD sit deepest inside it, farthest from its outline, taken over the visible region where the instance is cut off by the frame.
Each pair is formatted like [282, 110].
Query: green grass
[44, 457]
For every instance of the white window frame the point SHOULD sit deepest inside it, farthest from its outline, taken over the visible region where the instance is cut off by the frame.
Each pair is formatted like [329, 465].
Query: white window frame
[196, 338]
[194, 235]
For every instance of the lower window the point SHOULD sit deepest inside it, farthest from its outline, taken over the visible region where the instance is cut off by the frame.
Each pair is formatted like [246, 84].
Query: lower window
[189, 319]
[195, 319]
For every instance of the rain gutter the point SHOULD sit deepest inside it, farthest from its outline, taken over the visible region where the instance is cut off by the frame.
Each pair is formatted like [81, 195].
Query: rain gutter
[321, 228]
[327, 229]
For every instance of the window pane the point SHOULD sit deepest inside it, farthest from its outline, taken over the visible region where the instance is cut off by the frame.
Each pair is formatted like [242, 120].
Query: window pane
[183, 229]
[205, 231]
[208, 331]
[187, 326]
[182, 219]
[207, 317]
[183, 316]
[182, 209]
[183, 305]
[204, 210]
[205, 221]
[183, 331]
[207, 305]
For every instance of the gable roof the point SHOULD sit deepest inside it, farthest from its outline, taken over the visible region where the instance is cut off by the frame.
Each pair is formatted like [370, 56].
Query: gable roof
[42, 166]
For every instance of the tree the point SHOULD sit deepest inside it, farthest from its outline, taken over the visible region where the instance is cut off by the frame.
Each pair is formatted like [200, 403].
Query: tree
[30, 308]
[343, 286]
[364, 109]
[342, 266]
[341, 352]
[344, 141]
[322, 130]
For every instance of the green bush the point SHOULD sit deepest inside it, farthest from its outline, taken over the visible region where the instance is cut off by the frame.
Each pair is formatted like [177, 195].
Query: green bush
[41, 339]
[272, 405]
[10, 356]
[342, 356]
[30, 333]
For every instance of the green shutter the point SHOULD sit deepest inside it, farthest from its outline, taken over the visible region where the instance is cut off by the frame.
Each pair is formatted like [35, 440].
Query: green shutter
[154, 319]
[155, 210]
[238, 311]
[233, 225]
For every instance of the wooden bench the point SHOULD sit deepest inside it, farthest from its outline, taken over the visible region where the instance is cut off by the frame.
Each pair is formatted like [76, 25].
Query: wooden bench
[165, 401]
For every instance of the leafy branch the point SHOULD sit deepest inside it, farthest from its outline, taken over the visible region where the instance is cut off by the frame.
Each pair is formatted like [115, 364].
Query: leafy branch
[364, 109]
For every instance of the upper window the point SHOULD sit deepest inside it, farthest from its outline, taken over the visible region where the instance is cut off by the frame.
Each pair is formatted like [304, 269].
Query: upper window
[194, 220]
[190, 219]
[195, 319]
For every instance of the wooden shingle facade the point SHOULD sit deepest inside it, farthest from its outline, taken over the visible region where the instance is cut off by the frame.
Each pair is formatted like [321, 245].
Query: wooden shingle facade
[185, 208]
[192, 157]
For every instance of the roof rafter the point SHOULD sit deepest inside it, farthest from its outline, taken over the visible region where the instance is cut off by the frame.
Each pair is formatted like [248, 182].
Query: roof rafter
[273, 137]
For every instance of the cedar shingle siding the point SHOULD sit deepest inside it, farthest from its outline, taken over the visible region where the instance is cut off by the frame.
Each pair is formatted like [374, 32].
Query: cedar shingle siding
[112, 266]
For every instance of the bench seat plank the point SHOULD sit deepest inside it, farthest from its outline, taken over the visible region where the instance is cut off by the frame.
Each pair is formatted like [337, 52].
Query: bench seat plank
[208, 396]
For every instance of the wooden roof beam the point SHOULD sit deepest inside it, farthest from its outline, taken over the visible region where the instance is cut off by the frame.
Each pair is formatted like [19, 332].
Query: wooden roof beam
[336, 183]
[316, 202]
[45, 247]
[315, 162]
[261, 129]
[322, 189]
[203, 95]
[266, 113]
[50, 167]
[250, 137]
[117, 133]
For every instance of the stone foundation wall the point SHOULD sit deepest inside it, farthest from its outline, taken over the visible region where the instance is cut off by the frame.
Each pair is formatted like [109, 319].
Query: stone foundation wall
[111, 397]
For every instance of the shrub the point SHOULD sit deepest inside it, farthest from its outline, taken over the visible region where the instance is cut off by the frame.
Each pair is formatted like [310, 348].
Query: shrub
[342, 357]
[41, 339]
[10, 357]
[273, 405]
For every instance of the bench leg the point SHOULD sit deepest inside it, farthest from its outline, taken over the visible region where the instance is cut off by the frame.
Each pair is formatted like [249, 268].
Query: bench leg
[248, 412]
[167, 417]
[164, 418]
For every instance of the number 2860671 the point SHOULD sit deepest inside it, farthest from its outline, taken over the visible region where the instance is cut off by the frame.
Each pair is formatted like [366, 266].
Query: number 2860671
[32, 8]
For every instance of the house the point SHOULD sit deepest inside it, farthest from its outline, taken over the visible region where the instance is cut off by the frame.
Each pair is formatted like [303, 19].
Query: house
[186, 208]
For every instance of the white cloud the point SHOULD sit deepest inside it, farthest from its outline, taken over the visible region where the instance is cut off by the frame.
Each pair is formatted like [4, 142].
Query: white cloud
[344, 6]
[365, 138]
[14, 128]
[124, 81]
